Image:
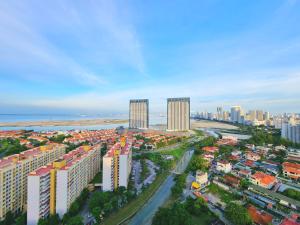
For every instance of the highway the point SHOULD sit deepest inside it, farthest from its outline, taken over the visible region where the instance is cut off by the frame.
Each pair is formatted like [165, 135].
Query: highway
[145, 215]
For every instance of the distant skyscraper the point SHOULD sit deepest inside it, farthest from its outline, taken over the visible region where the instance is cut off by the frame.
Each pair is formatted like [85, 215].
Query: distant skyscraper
[219, 113]
[259, 115]
[139, 113]
[235, 114]
[266, 116]
[178, 114]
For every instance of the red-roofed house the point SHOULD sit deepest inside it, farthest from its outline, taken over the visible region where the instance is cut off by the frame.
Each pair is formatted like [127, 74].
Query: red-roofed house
[258, 217]
[263, 180]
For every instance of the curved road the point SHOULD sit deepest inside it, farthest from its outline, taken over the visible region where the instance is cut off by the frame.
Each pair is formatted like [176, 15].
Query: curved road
[145, 215]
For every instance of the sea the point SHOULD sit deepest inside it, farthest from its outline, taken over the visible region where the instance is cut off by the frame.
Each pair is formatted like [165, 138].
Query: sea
[155, 120]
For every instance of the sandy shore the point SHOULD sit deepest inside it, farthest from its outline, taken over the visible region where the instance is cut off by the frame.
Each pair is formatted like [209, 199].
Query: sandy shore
[211, 124]
[88, 122]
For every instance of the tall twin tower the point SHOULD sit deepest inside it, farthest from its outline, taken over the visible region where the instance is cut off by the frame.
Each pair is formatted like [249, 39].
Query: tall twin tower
[178, 116]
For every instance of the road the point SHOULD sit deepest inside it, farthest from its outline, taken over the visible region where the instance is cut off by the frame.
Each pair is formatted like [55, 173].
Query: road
[145, 215]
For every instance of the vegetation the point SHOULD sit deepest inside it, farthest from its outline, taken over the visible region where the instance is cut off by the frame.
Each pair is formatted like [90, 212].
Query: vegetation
[59, 138]
[225, 196]
[145, 170]
[198, 163]
[176, 215]
[11, 219]
[244, 184]
[52, 219]
[179, 185]
[237, 215]
[262, 135]
[72, 146]
[11, 146]
[76, 206]
[136, 203]
[194, 212]
[292, 193]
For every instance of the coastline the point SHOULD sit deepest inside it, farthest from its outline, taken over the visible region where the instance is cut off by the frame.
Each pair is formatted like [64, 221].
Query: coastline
[47, 123]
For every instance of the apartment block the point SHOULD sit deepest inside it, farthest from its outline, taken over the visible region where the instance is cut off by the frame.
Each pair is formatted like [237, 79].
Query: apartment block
[13, 175]
[53, 188]
[178, 114]
[117, 166]
[291, 131]
[139, 113]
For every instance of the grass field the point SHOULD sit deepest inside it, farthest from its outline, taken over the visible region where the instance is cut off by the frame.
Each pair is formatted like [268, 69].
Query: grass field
[131, 208]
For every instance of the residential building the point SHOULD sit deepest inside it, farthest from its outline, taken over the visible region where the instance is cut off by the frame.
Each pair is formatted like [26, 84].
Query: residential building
[210, 149]
[291, 132]
[224, 166]
[13, 175]
[263, 180]
[53, 188]
[117, 166]
[178, 114]
[291, 170]
[235, 114]
[252, 156]
[219, 113]
[293, 154]
[201, 178]
[259, 217]
[139, 113]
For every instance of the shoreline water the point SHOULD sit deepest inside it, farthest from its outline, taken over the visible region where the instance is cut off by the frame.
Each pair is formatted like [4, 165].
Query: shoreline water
[46, 123]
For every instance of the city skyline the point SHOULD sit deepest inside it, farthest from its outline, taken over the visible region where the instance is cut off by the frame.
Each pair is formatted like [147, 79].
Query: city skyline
[92, 57]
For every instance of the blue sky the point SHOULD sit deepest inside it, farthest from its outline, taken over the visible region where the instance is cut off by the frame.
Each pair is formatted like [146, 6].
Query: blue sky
[93, 56]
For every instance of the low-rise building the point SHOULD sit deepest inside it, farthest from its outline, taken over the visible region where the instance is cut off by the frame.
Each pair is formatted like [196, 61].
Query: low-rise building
[201, 178]
[210, 149]
[252, 156]
[291, 170]
[263, 180]
[224, 166]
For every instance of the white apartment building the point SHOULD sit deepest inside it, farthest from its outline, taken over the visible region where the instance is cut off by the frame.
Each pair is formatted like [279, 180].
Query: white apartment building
[53, 188]
[178, 114]
[13, 175]
[291, 132]
[224, 166]
[117, 166]
[139, 113]
[235, 114]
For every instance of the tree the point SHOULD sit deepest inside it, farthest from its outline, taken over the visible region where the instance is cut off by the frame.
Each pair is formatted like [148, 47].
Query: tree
[291, 193]
[176, 215]
[196, 207]
[21, 220]
[198, 163]
[9, 218]
[237, 215]
[96, 212]
[76, 220]
[244, 184]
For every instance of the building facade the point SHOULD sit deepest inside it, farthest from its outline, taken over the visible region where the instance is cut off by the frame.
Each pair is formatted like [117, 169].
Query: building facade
[13, 175]
[178, 114]
[235, 114]
[291, 132]
[139, 113]
[53, 188]
[117, 165]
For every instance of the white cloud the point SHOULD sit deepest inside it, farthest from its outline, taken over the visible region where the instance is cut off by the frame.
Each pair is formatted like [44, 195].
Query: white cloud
[99, 35]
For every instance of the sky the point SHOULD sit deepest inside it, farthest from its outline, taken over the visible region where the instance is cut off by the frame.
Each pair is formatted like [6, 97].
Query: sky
[92, 56]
